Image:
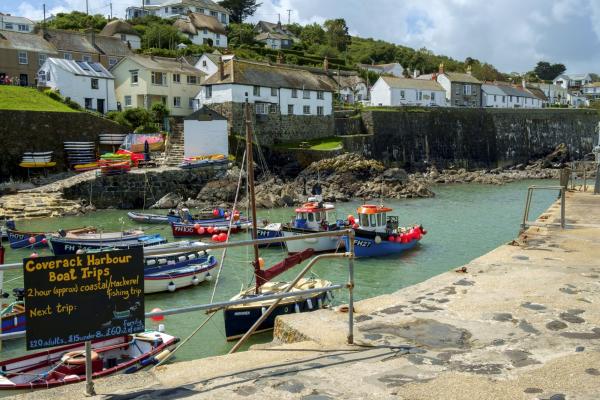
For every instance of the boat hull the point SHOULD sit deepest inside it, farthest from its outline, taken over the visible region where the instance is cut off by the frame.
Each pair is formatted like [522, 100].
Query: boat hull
[182, 230]
[367, 247]
[319, 245]
[13, 323]
[180, 277]
[239, 320]
[66, 246]
[268, 232]
[20, 240]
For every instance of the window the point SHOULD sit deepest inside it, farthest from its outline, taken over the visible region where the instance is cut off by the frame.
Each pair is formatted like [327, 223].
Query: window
[88, 103]
[112, 62]
[176, 101]
[23, 28]
[510, 99]
[167, 9]
[402, 94]
[311, 217]
[48, 76]
[176, 78]
[224, 19]
[419, 95]
[262, 108]
[214, 14]
[127, 101]
[290, 109]
[494, 98]
[159, 78]
[363, 219]
[208, 91]
[94, 83]
[204, 63]
[457, 90]
[467, 90]
[205, 31]
[273, 91]
[306, 109]
[86, 58]
[192, 80]
[218, 42]
[23, 57]
[373, 220]
[42, 59]
[8, 25]
[295, 93]
[134, 77]
[218, 36]
[123, 37]
[504, 99]
[191, 102]
[68, 56]
[256, 90]
[320, 95]
[306, 94]
[432, 97]
[379, 220]
[319, 110]
[200, 10]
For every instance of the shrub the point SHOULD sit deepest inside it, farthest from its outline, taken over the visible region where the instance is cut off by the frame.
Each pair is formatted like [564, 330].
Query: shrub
[72, 104]
[54, 94]
[159, 112]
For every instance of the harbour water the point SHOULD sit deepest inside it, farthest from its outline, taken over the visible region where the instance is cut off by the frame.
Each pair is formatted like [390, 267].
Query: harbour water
[463, 222]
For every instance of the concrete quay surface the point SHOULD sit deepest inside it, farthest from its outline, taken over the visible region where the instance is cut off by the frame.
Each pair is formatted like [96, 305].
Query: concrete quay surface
[523, 322]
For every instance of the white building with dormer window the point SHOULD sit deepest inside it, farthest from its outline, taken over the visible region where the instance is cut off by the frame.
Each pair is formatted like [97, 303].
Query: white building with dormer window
[16, 24]
[179, 8]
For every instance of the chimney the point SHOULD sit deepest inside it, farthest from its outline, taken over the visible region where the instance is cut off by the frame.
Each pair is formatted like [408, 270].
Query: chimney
[91, 36]
[279, 58]
[469, 69]
[326, 64]
[221, 69]
[441, 68]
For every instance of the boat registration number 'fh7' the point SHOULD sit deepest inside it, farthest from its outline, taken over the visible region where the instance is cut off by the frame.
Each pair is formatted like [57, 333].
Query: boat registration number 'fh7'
[363, 243]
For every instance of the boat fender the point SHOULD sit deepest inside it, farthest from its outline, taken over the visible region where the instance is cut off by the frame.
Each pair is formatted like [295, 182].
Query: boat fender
[296, 308]
[377, 239]
[171, 286]
[151, 262]
[162, 260]
[320, 302]
[263, 310]
[77, 357]
[191, 256]
[208, 277]
[182, 258]
[132, 369]
[148, 361]
[309, 304]
[195, 280]
[162, 355]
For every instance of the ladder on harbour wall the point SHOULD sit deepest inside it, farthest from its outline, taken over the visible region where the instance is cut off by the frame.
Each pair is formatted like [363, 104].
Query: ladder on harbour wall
[583, 170]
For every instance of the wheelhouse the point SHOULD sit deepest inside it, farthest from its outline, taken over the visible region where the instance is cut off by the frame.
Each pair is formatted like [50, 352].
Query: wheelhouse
[375, 218]
[312, 214]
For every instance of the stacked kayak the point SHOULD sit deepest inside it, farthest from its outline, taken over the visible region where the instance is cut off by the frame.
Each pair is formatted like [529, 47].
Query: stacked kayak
[81, 155]
[202, 161]
[37, 160]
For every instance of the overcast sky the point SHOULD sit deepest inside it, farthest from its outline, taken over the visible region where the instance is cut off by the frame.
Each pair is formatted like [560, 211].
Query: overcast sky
[511, 34]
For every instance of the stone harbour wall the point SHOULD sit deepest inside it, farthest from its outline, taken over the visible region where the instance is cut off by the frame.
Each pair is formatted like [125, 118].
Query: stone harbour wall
[24, 131]
[142, 188]
[276, 128]
[472, 138]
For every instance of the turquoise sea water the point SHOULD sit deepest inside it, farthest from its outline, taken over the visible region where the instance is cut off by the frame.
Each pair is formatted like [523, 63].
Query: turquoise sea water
[463, 222]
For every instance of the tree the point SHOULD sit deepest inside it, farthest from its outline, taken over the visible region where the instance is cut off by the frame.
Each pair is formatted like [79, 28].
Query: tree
[162, 36]
[546, 71]
[240, 9]
[77, 21]
[337, 33]
[239, 34]
[312, 34]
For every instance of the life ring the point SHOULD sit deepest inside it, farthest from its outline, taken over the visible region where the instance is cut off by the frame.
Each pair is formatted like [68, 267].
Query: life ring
[77, 357]
[377, 239]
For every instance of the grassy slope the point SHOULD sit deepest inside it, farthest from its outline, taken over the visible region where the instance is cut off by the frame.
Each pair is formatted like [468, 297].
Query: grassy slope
[19, 98]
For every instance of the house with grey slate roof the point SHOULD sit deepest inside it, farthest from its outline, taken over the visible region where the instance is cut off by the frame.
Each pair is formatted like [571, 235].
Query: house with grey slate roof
[393, 91]
[462, 90]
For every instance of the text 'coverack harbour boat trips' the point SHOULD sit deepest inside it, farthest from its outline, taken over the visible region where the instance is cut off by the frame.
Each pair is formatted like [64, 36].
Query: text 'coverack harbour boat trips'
[240, 318]
[378, 234]
[64, 365]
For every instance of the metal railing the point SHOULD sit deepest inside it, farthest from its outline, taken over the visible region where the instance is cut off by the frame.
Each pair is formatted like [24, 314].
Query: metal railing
[530, 190]
[581, 170]
[349, 253]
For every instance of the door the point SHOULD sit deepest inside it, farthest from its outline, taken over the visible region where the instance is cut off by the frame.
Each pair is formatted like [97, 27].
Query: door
[100, 106]
[24, 80]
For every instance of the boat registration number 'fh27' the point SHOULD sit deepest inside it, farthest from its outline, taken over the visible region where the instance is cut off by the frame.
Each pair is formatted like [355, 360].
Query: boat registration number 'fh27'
[363, 243]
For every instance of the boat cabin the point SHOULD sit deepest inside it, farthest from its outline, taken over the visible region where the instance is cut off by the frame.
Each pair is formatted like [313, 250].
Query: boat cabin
[374, 218]
[313, 214]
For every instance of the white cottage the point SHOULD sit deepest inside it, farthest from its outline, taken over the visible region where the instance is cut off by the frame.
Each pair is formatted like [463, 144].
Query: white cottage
[208, 63]
[202, 29]
[392, 91]
[87, 83]
[351, 88]
[572, 81]
[272, 88]
[507, 96]
[205, 133]
[178, 8]
[394, 69]
[123, 31]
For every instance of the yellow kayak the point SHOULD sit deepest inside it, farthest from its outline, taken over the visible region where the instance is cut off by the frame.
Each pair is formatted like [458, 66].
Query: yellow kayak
[34, 164]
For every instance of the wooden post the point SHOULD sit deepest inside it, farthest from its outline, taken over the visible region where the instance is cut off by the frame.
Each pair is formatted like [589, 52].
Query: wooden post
[89, 383]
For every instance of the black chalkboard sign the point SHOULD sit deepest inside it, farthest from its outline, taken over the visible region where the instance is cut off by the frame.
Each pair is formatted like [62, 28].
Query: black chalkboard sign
[79, 297]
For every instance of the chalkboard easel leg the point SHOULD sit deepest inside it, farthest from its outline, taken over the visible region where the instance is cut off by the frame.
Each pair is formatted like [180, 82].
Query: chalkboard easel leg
[89, 383]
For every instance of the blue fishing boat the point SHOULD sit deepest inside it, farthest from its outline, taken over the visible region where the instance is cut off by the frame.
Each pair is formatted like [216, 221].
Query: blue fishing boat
[269, 231]
[218, 215]
[163, 263]
[65, 245]
[23, 239]
[13, 317]
[378, 235]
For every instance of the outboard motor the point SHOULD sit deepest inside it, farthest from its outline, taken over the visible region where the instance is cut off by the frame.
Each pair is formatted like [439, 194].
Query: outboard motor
[19, 293]
[62, 232]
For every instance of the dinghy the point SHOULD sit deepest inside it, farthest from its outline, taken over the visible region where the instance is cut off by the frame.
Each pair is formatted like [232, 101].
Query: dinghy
[178, 278]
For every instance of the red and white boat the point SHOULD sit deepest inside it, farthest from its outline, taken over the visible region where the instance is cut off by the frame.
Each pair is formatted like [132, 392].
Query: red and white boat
[64, 365]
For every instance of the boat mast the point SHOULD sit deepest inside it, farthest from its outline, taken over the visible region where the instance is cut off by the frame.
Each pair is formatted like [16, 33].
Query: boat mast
[250, 170]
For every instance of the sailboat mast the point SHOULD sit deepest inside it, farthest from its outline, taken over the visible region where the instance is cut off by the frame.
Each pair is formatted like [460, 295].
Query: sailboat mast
[250, 169]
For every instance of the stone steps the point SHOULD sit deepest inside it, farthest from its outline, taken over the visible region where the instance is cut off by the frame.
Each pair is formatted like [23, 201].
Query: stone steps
[35, 205]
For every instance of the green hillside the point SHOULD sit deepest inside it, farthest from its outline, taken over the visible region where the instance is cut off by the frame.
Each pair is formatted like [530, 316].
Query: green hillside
[20, 98]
